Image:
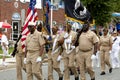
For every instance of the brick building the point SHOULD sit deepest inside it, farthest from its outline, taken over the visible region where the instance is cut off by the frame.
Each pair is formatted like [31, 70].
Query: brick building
[14, 12]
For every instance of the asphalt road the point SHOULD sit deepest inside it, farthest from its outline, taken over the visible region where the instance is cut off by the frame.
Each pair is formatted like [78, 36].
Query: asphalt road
[10, 74]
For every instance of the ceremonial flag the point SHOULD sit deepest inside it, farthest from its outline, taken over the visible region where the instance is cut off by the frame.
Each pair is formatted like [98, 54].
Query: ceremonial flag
[74, 10]
[46, 16]
[31, 16]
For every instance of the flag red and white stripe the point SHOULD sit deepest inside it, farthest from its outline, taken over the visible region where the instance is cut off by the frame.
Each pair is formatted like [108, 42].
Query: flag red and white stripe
[31, 16]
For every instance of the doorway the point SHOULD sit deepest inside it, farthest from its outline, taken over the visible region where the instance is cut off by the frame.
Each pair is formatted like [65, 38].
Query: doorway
[15, 30]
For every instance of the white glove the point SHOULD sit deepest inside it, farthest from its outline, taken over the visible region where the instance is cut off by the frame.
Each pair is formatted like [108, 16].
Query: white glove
[66, 35]
[53, 36]
[68, 41]
[110, 51]
[93, 57]
[47, 37]
[59, 58]
[73, 47]
[77, 4]
[39, 59]
[25, 60]
[98, 52]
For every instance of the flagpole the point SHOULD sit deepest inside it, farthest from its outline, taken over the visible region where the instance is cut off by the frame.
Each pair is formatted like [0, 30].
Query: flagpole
[43, 10]
[51, 21]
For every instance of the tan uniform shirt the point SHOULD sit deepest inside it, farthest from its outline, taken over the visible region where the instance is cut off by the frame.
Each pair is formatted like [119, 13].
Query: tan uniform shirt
[105, 41]
[19, 47]
[87, 40]
[34, 41]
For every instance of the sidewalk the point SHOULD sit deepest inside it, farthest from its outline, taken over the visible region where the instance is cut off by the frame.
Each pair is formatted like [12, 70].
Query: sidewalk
[10, 63]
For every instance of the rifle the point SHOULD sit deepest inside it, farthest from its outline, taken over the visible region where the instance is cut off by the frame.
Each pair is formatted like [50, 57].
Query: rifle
[85, 28]
[15, 46]
[76, 43]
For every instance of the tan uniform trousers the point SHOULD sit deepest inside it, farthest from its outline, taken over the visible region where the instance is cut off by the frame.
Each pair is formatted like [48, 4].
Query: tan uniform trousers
[104, 57]
[32, 66]
[20, 65]
[69, 63]
[50, 67]
[54, 65]
[85, 64]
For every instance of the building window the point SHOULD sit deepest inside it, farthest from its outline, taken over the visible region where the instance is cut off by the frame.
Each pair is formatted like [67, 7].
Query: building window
[55, 6]
[61, 4]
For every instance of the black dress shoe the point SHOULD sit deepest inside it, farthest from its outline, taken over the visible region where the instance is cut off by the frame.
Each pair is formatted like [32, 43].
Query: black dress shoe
[76, 78]
[60, 78]
[110, 70]
[78, 71]
[102, 73]
[93, 79]
[71, 73]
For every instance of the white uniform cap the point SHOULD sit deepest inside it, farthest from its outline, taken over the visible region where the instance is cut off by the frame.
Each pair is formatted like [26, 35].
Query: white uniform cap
[31, 24]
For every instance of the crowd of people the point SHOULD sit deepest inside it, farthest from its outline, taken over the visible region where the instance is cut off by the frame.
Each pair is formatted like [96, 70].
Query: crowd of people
[79, 51]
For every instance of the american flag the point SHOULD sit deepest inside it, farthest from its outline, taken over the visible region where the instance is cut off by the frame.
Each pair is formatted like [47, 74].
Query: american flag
[31, 16]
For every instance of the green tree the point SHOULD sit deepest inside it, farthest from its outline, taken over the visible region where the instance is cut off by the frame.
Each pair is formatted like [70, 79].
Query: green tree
[116, 5]
[100, 10]
[116, 8]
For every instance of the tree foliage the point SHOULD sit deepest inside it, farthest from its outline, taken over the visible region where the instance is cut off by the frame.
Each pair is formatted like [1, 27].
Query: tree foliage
[116, 5]
[101, 10]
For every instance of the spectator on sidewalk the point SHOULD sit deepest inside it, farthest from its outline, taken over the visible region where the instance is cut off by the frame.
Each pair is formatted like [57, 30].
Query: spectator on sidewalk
[4, 45]
[0, 35]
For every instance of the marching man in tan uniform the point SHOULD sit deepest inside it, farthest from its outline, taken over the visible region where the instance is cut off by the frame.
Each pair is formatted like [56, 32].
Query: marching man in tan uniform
[34, 49]
[19, 58]
[20, 61]
[105, 46]
[87, 47]
[69, 53]
[50, 61]
[56, 53]
[50, 67]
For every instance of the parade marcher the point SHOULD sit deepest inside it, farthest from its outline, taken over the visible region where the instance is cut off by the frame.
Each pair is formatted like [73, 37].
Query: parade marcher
[39, 27]
[105, 46]
[50, 67]
[56, 53]
[4, 44]
[115, 51]
[69, 53]
[34, 49]
[19, 58]
[88, 43]
[48, 50]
